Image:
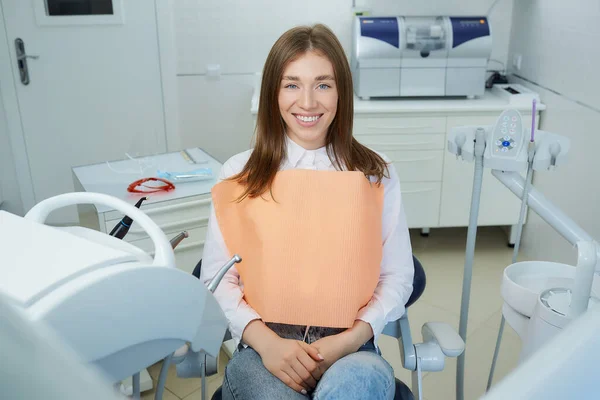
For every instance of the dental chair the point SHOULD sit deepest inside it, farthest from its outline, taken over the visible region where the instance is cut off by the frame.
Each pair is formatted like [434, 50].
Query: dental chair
[440, 340]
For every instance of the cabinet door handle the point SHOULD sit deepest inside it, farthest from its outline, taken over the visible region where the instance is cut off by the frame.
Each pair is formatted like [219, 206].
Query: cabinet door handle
[176, 224]
[176, 207]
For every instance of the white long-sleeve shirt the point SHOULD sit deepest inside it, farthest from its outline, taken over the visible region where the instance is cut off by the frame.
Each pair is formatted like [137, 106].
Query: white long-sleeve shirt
[397, 269]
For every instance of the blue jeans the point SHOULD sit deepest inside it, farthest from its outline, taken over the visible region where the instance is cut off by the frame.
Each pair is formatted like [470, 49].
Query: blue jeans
[362, 375]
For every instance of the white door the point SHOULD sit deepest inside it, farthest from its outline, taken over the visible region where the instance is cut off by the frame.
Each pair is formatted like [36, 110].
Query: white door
[93, 90]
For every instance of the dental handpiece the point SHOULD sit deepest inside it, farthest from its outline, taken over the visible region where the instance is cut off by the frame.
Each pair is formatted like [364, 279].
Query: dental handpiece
[177, 239]
[212, 286]
[121, 229]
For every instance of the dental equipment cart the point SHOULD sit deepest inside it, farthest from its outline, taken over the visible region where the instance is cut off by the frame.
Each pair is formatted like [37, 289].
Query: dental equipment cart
[94, 290]
[185, 208]
[540, 298]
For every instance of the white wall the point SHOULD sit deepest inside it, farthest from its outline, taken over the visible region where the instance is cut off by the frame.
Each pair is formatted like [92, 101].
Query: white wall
[9, 187]
[558, 42]
[237, 35]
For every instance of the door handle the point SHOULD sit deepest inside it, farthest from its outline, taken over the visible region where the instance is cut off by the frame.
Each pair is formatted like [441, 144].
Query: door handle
[24, 56]
[22, 60]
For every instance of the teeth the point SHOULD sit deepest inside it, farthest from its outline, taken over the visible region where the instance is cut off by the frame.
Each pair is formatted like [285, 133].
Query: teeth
[307, 119]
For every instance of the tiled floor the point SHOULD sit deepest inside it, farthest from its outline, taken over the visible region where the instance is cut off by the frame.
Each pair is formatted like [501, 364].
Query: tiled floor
[442, 255]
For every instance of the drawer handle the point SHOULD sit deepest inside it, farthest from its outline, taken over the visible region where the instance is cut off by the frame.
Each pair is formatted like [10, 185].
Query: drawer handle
[417, 159]
[173, 225]
[198, 243]
[176, 207]
[416, 191]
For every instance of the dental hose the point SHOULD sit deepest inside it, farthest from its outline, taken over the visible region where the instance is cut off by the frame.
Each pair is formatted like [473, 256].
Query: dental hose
[524, 200]
[470, 253]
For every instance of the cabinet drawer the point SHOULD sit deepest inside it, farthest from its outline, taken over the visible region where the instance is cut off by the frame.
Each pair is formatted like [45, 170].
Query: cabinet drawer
[418, 166]
[178, 216]
[187, 253]
[375, 125]
[387, 142]
[421, 203]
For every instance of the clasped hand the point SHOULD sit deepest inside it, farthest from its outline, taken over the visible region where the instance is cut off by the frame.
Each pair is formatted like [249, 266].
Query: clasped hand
[300, 365]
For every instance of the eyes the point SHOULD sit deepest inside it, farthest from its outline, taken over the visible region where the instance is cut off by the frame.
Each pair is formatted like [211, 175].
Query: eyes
[321, 86]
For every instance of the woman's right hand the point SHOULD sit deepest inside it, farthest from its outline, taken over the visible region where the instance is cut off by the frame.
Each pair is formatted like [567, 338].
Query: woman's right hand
[294, 362]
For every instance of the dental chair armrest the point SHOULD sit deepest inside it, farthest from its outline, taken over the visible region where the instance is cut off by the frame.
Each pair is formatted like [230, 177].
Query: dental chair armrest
[400, 329]
[445, 337]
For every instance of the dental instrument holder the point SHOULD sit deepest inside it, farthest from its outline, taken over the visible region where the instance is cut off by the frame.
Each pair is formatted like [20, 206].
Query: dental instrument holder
[550, 151]
[212, 286]
[100, 264]
[208, 364]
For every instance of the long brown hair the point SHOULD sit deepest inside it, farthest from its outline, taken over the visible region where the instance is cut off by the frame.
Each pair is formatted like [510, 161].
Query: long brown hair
[270, 146]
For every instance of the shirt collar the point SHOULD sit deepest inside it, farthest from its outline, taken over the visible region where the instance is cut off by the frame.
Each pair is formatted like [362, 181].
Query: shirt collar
[295, 153]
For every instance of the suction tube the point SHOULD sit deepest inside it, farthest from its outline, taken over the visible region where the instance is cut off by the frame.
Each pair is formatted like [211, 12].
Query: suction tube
[470, 253]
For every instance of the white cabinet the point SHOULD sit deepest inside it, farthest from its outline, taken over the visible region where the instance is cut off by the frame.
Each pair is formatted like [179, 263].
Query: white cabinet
[187, 208]
[436, 187]
[415, 145]
[421, 203]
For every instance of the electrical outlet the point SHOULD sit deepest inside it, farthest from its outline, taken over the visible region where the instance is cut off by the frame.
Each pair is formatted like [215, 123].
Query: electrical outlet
[517, 61]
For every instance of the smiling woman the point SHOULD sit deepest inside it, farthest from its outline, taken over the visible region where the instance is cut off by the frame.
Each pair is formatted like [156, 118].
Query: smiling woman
[307, 96]
[308, 99]
[318, 221]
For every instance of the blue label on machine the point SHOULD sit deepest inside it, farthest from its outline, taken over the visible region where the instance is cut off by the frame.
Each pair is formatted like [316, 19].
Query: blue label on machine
[465, 29]
[385, 29]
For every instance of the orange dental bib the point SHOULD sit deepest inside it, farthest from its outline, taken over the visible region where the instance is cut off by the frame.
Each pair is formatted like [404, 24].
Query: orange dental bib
[312, 253]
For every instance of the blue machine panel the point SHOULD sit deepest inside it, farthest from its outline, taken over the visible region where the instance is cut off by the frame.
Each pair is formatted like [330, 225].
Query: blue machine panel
[468, 28]
[385, 29]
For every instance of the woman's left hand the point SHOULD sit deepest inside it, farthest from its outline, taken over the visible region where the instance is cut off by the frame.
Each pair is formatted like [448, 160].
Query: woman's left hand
[334, 347]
